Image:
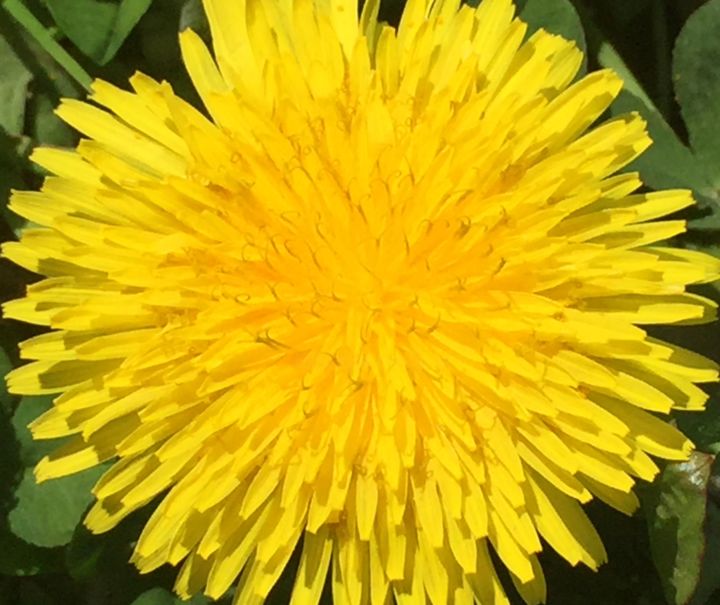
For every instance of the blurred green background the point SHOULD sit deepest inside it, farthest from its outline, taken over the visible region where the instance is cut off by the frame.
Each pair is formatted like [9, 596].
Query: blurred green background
[667, 51]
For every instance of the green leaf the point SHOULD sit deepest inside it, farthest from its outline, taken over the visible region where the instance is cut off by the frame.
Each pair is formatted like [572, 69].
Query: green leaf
[12, 151]
[44, 37]
[128, 15]
[84, 554]
[667, 163]
[97, 28]
[556, 16]
[608, 57]
[31, 451]
[5, 397]
[47, 128]
[710, 581]
[155, 596]
[682, 524]
[703, 428]
[696, 71]
[192, 16]
[160, 596]
[13, 89]
[47, 514]
[17, 558]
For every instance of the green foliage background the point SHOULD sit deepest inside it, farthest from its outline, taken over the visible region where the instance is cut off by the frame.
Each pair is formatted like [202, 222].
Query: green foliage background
[668, 53]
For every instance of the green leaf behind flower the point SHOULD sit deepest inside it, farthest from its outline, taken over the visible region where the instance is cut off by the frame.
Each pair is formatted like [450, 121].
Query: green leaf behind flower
[696, 72]
[668, 163]
[29, 408]
[684, 526]
[160, 596]
[48, 513]
[97, 28]
[13, 89]
[557, 17]
[5, 397]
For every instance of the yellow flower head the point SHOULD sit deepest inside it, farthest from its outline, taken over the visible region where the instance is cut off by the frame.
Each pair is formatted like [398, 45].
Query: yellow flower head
[382, 303]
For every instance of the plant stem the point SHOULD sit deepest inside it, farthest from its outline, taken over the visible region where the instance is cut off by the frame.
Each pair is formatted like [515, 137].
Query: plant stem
[41, 35]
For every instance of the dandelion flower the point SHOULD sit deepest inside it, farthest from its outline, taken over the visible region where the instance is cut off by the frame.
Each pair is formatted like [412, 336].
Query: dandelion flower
[381, 304]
